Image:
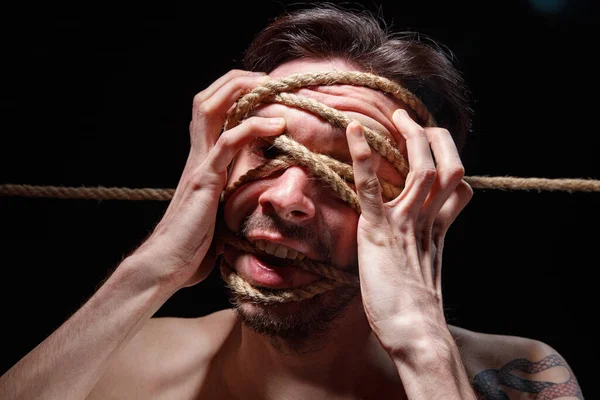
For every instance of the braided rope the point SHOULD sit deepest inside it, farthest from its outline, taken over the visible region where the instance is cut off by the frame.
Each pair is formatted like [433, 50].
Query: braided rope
[296, 81]
[539, 184]
[382, 144]
[306, 158]
[86, 193]
[338, 275]
[570, 185]
[331, 171]
[270, 296]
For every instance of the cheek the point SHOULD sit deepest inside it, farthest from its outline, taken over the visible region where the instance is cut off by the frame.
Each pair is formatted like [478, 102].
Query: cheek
[342, 222]
[242, 201]
[241, 204]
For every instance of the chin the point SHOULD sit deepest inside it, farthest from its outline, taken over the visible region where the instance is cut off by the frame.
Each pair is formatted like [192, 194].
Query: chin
[296, 326]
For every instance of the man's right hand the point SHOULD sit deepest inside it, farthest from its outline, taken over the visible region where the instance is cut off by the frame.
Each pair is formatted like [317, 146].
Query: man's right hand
[178, 253]
[73, 360]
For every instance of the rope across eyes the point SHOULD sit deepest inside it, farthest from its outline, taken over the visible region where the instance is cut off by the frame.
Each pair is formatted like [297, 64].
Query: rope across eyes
[334, 173]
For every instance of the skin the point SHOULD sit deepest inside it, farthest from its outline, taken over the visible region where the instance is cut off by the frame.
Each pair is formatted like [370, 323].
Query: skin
[391, 342]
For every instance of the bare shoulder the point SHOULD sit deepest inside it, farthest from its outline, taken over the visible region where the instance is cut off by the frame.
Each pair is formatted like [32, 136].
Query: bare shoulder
[514, 367]
[165, 355]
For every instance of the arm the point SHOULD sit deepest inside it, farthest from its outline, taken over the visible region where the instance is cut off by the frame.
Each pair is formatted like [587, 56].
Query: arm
[69, 362]
[518, 368]
[399, 247]
[178, 253]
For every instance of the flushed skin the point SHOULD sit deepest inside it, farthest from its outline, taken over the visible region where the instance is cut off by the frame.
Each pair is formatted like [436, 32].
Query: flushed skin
[392, 340]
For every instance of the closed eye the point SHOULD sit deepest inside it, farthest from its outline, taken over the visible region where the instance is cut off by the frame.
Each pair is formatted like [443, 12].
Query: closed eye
[264, 150]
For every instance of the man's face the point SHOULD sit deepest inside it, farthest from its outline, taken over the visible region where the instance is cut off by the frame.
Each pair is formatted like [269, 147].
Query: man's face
[293, 214]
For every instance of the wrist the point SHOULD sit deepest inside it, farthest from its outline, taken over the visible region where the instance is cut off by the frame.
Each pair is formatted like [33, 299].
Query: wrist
[425, 351]
[433, 368]
[416, 332]
[145, 271]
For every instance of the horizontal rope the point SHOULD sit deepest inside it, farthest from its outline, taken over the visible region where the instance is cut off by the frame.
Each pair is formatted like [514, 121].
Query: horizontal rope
[86, 193]
[124, 193]
[539, 184]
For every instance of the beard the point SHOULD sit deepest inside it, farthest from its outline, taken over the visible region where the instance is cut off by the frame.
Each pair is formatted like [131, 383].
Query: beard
[297, 327]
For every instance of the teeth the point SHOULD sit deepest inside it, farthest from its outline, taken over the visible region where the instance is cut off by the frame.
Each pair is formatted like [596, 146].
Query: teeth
[270, 247]
[278, 250]
[281, 251]
[292, 254]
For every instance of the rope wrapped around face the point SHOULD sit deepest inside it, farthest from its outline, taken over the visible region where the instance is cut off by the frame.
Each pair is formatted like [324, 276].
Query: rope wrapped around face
[331, 171]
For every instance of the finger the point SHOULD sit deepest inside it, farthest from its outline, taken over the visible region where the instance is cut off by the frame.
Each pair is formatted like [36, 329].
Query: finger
[421, 164]
[232, 140]
[216, 85]
[450, 171]
[210, 109]
[365, 179]
[457, 201]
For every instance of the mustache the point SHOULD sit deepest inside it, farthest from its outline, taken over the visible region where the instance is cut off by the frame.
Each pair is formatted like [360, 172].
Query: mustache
[317, 240]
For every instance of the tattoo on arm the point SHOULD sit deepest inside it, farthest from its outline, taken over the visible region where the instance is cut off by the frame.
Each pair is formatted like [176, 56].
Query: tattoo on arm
[488, 383]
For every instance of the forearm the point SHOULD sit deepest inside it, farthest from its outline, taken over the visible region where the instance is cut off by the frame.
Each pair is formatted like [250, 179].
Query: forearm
[71, 360]
[432, 368]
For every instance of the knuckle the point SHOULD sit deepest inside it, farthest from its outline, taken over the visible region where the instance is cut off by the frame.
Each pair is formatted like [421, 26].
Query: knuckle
[454, 172]
[198, 99]
[224, 141]
[202, 106]
[237, 71]
[466, 191]
[244, 83]
[417, 131]
[368, 185]
[426, 174]
[362, 155]
[254, 123]
[438, 131]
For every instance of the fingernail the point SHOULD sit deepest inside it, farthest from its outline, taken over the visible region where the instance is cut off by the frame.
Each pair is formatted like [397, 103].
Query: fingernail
[359, 130]
[399, 113]
[257, 73]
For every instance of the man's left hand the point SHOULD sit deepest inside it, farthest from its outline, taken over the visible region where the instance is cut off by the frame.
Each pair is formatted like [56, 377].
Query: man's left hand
[400, 242]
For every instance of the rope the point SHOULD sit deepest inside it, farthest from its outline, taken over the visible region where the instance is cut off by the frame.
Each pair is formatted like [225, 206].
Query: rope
[86, 193]
[123, 193]
[539, 184]
[333, 172]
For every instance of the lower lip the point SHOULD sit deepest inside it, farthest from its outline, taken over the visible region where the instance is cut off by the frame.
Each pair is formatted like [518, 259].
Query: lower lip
[276, 277]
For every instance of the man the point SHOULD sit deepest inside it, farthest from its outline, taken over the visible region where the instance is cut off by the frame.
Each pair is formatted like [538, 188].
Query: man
[296, 333]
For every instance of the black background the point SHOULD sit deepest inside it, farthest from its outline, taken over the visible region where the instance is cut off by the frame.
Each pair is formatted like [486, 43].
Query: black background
[101, 95]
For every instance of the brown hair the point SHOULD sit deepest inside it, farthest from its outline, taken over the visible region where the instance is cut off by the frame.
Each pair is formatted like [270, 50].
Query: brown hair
[417, 62]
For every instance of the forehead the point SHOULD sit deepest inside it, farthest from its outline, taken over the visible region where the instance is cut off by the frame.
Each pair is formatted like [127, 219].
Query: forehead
[370, 107]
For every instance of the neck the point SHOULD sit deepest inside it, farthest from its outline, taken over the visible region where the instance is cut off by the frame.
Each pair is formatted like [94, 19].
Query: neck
[342, 361]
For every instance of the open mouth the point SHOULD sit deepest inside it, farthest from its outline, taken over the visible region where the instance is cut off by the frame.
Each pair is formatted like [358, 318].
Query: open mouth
[278, 250]
[276, 255]
[273, 261]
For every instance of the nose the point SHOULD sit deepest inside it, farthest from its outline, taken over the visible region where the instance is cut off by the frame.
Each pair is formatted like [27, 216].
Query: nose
[289, 195]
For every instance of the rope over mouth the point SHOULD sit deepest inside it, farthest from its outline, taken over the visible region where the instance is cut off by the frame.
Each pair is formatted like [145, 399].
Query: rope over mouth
[325, 270]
